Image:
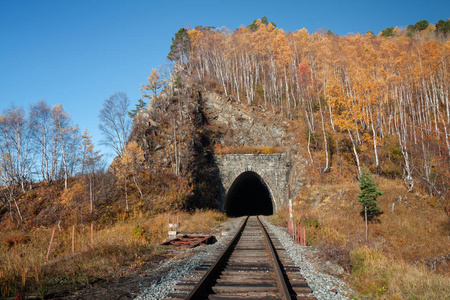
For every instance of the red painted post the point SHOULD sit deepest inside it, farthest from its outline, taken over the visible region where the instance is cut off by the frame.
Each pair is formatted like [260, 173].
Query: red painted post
[301, 234]
[291, 231]
[295, 232]
[92, 234]
[73, 239]
[304, 234]
[50, 244]
[302, 237]
[289, 227]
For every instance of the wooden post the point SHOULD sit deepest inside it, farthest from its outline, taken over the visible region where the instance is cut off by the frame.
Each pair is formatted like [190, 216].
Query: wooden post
[295, 231]
[92, 234]
[73, 239]
[304, 236]
[367, 226]
[50, 244]
[289, 227]
[300, 239]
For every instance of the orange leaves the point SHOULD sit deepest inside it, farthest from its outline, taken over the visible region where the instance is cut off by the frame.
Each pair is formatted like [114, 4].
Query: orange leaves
[283, 53]
[75, 195]
[129, 163]
[304, 73]
[343, 110]
[195, 36]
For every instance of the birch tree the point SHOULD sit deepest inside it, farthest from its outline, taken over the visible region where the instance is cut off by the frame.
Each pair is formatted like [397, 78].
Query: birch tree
[114, 124]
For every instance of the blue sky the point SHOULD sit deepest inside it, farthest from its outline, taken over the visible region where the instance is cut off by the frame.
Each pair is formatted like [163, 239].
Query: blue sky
[79, 53]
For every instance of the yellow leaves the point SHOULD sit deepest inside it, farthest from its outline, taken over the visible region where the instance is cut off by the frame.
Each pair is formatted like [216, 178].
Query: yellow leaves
[153, 83]
[76, 194]
[134, 152]
[302, 33]
[270, 27]
[195, 36]
[343, 109]
[430, 28]
[396, 31]
[283, 53]
[130, 163]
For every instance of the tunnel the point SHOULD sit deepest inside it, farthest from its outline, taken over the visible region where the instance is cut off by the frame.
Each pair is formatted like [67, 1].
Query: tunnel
[248, 195]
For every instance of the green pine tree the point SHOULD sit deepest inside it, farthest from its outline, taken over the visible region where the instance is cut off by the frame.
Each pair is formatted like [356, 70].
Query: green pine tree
[139, 106]
[368, 196]
[388, 32]
[181, 46]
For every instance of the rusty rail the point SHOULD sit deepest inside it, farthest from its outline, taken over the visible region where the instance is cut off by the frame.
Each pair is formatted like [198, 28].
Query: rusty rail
[209, 280]
[253, 265]
[281, 281]
[200, 288]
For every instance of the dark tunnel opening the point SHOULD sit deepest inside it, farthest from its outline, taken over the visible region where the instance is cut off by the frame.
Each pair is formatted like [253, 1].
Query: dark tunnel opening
[248, 195]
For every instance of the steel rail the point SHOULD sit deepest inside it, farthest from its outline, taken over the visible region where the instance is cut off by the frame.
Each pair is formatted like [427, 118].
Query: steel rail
[285, 294]
[200, 288]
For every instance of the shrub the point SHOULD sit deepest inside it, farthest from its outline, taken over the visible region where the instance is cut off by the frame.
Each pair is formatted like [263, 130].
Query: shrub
[310, 222]
[17, 238]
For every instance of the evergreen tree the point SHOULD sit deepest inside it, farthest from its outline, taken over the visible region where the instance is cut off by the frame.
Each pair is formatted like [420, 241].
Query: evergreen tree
[181, 46]
[388, 32]
[368, 196]
[443, 26]
[421, 25]
[255, 24]
[140, 105]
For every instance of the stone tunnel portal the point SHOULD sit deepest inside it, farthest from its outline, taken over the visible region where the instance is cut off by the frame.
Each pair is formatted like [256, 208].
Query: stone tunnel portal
[248, 195]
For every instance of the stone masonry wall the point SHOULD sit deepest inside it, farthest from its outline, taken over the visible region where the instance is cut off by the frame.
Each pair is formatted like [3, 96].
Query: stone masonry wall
[273, 169]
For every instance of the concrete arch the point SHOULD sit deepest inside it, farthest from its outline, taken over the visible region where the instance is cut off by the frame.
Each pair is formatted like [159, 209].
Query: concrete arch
[249, 195]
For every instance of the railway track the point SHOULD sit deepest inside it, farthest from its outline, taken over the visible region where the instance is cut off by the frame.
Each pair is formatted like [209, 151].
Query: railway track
[253, 265]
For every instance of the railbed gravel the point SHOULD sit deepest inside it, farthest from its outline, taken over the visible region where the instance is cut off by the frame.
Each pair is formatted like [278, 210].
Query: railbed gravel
[182, 267]
[324, 286]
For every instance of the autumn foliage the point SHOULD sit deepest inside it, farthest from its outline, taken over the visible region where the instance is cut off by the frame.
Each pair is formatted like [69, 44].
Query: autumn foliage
[370, 100]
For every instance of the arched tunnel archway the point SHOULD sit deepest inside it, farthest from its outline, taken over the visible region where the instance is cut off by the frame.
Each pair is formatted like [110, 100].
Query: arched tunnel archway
[248, 195]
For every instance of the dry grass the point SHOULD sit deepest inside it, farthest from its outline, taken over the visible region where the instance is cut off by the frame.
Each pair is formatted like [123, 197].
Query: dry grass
[221, 150]
[379, 277]
[403, 242]
[118, 249]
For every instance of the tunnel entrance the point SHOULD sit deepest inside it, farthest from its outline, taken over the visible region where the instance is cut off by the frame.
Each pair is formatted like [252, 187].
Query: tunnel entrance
[248, 195]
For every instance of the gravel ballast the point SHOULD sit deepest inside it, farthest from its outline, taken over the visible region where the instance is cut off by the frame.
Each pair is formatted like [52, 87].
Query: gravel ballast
[324, 286]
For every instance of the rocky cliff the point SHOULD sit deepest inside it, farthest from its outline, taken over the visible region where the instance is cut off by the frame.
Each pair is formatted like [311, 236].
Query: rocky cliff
[187, 123]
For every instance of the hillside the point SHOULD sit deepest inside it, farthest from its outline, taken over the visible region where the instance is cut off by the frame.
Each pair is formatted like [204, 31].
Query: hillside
[337, 104]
